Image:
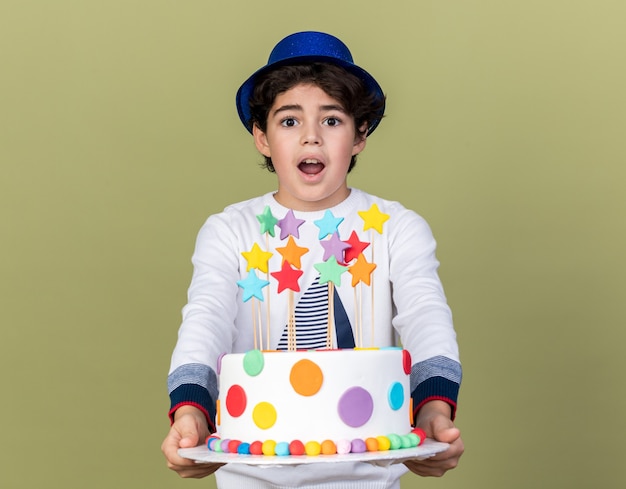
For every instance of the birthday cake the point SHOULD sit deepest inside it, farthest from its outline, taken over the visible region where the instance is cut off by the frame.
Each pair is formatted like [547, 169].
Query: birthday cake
[314, 402]
[327, 400]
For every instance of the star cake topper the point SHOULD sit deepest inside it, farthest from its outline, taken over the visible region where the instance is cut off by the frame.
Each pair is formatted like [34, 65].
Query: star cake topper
[328, 224]
[334, 247]
[252, 286]
[289, 225]
[257, 258]
[361, 271]
[330, 271]
[287, 278]
[355, 247]
[292, 253]
[373, 218]
[268, 221]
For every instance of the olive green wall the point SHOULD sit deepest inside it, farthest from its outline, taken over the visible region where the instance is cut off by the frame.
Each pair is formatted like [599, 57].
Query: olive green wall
[118, 137]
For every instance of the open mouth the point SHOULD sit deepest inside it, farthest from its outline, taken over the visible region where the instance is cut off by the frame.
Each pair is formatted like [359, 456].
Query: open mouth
[311, 166]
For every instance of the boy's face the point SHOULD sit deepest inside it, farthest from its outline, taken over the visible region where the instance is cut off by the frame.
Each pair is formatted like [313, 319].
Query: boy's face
[311, 141]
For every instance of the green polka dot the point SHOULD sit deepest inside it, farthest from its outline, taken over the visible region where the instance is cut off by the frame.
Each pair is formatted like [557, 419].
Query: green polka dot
[253, 362]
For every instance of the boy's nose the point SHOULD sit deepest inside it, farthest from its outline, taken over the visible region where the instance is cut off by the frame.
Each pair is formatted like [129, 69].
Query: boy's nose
[311, 136]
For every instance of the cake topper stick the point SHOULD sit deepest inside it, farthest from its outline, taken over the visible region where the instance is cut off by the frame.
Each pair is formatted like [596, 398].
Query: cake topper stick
[268, 223]
[361, 271]
[373, 218]
[267, 309]
[330, 333]
[330, 272]
[253, 289]
[291, 324]
[288, 279]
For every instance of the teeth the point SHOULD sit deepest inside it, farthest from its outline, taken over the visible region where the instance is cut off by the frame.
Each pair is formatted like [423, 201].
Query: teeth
[311, 161]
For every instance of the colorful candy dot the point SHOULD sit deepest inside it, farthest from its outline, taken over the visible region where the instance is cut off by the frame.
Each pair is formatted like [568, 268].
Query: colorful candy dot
[268, 447]
[224, 445]
[328, 447]
[358, 446]
[264, 415]
[211, 442]
[282, 449]
[383, 443]
[355, 407]
[306, 377]
[236, 401]
[395, 396]
[253, 362]
[421, 433]
[312, 448]
[371, 444]
[296, 447]
[395, 441]
[343, 447]
[256, 448]
[415, 440]
[405, 441]
[244, 449]
[217, 446]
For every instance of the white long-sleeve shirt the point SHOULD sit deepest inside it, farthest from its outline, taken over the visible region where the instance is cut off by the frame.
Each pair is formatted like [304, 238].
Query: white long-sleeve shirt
[405, 300]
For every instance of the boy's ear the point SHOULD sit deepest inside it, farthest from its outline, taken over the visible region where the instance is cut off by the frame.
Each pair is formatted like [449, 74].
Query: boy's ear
[360, 140]
[260, 141]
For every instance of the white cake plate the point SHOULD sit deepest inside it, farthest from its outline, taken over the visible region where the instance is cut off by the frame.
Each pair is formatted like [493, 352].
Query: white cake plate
[427, 449]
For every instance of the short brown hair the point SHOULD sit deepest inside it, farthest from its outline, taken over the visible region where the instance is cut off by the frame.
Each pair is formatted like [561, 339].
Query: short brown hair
[337, 82]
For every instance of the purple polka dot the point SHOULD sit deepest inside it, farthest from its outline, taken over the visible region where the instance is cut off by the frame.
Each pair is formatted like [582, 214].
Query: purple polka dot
[219, 363]
[355, 407]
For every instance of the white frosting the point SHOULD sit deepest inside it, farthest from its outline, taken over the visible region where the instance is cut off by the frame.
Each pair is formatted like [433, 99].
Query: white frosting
[316, 417]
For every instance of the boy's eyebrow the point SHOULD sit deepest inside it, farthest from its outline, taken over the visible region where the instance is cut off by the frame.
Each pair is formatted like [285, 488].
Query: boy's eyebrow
[326, 108]
[287, 108]
[298, 107]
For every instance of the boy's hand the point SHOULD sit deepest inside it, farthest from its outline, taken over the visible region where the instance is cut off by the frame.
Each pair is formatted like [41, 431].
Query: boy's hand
[434, 419]
[189, 430]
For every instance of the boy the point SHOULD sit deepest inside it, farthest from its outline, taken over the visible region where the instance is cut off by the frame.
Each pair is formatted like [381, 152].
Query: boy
[310, 110]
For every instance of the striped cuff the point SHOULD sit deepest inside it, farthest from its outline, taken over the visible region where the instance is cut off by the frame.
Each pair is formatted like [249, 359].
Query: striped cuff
[193, 395]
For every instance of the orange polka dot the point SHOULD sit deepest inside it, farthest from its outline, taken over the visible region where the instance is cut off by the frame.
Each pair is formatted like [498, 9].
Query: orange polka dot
[306, 377]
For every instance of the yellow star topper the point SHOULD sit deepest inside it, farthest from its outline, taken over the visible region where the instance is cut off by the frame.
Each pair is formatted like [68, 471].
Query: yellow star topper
[257, 258]
[373, 218]
[292, 253]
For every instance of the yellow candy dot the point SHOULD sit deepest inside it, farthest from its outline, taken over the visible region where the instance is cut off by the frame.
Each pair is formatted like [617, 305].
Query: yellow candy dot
[269, 447]
[306, 377]
[383, 443]
[218, 412]
[312, 448]
[264, 415]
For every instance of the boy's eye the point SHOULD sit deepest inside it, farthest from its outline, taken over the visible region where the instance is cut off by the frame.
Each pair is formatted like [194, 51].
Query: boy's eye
[288, 122]
[332, 121]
